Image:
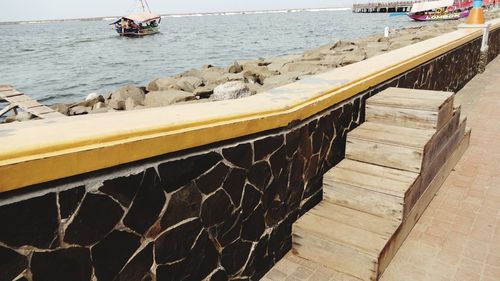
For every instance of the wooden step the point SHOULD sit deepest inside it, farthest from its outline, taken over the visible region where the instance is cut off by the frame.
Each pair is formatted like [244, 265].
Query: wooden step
[373, 189]
[395, 163]
[398, 147]
[410, 108]
[335, 255]
[325, 235]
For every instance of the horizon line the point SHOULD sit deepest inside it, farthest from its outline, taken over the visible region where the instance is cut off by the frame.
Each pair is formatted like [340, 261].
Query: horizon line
[173, 14]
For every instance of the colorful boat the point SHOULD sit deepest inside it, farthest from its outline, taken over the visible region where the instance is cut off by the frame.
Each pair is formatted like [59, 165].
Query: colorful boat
[138, 24]
[444, 9]
[440, 10]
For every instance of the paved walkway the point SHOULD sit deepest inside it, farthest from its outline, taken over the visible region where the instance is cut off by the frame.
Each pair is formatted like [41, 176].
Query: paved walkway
[458, 236]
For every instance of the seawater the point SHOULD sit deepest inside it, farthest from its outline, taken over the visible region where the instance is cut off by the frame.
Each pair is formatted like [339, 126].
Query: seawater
[64, 61]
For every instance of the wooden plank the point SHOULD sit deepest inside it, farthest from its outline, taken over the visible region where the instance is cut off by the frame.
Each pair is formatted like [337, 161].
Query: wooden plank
[400, 235]
[412, 195]
[440, 138]
[371, 182]
[360, 239]
[406, 102]
[7, 109]
[392, 134]
[355, 218]
[417, 94]
[387, 155]
[19, 99]
[375, 203]
[445, 114]
[9, 94]
[335, 256]
[411, 118]
[429, 172]
[376, 170]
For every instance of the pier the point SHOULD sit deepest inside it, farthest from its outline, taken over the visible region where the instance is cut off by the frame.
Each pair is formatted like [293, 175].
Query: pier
[383, 7]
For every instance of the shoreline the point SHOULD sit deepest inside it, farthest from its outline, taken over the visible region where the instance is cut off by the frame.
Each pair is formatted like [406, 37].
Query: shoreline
[248, 77]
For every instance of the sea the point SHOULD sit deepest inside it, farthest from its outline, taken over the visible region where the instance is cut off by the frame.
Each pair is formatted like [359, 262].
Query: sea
[63, 61]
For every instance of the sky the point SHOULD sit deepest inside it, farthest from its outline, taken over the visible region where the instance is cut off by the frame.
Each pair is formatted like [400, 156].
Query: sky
[16, 10]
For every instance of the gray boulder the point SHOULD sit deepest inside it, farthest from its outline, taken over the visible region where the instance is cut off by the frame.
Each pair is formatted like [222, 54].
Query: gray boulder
[229, 77]
[162, 84]
[231, 90]
[280, 80]
[235, 68]
[302, 67]
[165, 98]
[99, 105]
[61, 108]
[332, 60]
[205, 91]
[118, 98]
[79, 110]
[189, 84]
[354, 57]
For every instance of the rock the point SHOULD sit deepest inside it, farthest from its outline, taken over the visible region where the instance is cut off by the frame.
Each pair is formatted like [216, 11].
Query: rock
[277, 63]
[189, 84]
[164, 98]
[229, 77]
[23, 116]
[99, 110]
[130, 104]
[90, 102]
[302, 67]
[91, 96]
[192, 73]
[332, 60]
[79, 110]
[383, 39]
[254, 88]
[235, 68]
[253, 78]
[343, 45]
[162, 84]
[261, 71]
[231, 90]
[211, 75]
[280, 80]
[205, 91]
[99, 105]
[353, 57]
[61, 108]
[119, 97]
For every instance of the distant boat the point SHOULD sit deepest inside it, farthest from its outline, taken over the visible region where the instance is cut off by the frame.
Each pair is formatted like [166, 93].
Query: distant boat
[138, 24]
[440, 10]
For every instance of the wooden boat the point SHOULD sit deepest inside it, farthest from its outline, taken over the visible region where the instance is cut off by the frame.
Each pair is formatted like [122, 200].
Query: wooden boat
[444, 9]
[138, 24]
[440, 10]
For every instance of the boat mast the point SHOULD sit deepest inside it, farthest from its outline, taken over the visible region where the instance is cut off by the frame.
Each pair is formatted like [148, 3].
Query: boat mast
[145, 5]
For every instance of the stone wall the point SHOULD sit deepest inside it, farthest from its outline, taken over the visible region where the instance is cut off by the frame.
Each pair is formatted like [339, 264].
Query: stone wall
[219, 212]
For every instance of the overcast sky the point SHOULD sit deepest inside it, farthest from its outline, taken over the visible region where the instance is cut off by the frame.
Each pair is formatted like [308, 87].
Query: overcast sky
[14, 10]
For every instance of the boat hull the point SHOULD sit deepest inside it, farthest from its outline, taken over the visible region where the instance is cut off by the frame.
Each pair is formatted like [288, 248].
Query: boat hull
[137, 33]
[439, 16]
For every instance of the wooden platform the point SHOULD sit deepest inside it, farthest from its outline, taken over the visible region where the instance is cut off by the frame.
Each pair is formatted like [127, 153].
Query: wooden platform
[18, 100]
[395, 163]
